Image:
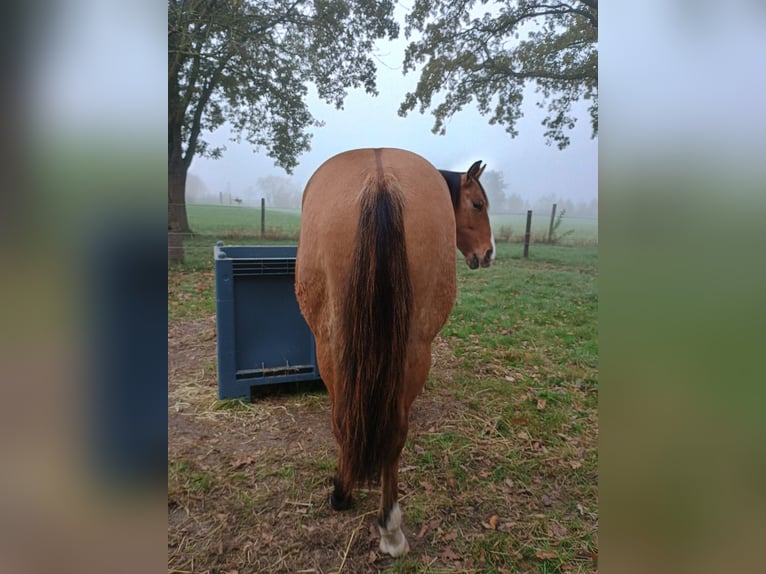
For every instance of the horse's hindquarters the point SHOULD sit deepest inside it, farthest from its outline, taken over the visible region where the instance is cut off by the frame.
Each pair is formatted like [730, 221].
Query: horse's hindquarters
[402, 258]
[329, 225]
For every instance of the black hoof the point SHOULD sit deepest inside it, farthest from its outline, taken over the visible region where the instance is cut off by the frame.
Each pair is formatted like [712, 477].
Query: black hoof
[338, 503]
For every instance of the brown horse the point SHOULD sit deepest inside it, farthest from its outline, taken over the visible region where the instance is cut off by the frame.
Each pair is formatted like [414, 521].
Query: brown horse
[376, 280]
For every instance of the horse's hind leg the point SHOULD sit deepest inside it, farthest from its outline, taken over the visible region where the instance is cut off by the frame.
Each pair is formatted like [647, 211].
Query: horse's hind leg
[340, 499]
[392, 539]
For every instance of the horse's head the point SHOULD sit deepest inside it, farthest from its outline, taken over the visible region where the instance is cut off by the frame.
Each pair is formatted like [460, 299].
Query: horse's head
[474, 234]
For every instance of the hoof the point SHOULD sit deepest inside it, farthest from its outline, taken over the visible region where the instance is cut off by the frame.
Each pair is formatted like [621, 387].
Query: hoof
[392, 539]
[395, 548]
[339, 503]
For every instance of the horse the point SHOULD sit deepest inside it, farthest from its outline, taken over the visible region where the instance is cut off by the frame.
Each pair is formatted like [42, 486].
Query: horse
[376, 280]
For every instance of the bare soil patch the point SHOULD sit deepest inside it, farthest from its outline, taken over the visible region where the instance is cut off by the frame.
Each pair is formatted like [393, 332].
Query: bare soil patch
[234, 498]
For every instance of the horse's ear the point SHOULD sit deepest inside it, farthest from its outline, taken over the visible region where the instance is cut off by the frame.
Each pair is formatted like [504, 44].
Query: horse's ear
[475, 171]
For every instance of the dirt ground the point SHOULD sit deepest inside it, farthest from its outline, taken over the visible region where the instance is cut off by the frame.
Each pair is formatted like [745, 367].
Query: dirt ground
[289, 529]
[248, 483]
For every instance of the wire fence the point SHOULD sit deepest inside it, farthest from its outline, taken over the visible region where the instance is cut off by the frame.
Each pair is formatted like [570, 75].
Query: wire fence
[247, 225]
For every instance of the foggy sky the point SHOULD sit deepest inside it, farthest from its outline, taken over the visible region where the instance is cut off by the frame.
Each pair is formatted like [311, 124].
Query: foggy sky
[530, 167]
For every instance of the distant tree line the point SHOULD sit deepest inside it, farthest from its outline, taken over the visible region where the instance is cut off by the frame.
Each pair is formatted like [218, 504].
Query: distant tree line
[501, 201]
[278, 191]
[283, 192]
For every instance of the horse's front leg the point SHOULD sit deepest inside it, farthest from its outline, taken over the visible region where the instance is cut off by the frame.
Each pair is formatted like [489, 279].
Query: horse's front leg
[392, 539]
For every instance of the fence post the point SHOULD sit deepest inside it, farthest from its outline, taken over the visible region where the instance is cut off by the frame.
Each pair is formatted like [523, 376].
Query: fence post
[527, 233]
[263, 217]
[550, 228]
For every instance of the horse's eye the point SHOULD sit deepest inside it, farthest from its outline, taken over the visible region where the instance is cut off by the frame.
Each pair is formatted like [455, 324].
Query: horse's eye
[478, 205]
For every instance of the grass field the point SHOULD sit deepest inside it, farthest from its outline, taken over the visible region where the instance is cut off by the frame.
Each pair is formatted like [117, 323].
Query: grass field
[499, 473]
[571, 230]
[246, 221]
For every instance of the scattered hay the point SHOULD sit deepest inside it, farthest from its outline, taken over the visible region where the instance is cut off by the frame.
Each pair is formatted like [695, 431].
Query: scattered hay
[486, 481]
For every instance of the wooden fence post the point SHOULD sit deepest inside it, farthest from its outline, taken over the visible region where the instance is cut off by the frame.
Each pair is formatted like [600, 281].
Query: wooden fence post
[527, 233]
[550, 228]
[263, 217]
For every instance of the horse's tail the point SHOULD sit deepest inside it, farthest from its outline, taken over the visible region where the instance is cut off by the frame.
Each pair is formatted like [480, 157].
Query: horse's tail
[375, 316]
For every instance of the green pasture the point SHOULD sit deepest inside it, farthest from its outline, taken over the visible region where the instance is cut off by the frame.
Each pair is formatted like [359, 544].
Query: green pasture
[505, 476]
[504, 479]
[509, 227]
[242, 220]
[233, 221]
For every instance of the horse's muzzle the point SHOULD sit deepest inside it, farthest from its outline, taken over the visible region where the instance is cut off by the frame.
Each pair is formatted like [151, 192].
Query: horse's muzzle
[487, 261]
[474, 262]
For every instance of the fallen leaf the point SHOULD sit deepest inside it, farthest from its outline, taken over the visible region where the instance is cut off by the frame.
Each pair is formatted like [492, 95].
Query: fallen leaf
[592, 555]
[449, 554]
[575, 464]
[427, 486]
[267, 539]
[242, 461]
[559, 530]
[541, 404]
[545, 555]
[450, 536]
[491, 524]
[546, 500]
[506, 526]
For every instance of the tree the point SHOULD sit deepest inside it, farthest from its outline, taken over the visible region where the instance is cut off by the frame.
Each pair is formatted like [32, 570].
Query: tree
[197, 191]
[516, 204]
[492, 58]
[249, 63]
[543, 203]
[494, 184]
[280, 192]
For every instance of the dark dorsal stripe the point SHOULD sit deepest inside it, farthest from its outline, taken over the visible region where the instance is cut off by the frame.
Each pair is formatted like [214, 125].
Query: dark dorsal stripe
[453, 179]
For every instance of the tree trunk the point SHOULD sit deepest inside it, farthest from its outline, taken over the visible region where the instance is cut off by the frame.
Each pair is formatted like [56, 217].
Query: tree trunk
[178, 224]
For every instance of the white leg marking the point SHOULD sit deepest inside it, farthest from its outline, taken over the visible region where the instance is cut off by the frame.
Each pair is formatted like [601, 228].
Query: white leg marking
[392, 540]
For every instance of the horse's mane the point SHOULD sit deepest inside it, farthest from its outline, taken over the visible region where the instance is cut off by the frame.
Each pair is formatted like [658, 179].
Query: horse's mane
[453, 179]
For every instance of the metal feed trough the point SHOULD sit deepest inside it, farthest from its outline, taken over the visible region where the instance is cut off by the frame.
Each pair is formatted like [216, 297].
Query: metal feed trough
[262, 336]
